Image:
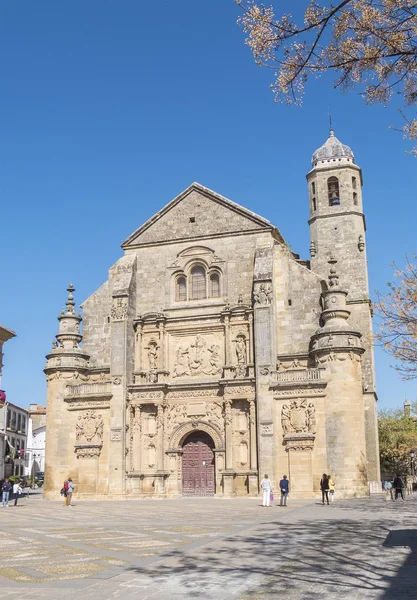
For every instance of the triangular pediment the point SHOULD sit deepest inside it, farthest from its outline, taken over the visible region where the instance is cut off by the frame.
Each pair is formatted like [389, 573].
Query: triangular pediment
[197, 213]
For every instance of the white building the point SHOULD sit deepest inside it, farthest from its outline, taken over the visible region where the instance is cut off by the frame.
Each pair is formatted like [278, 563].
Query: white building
[35, 456]
[5, 335]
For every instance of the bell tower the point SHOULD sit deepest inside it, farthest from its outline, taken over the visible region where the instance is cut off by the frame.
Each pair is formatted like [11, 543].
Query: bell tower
[337, 222]
[337, 229]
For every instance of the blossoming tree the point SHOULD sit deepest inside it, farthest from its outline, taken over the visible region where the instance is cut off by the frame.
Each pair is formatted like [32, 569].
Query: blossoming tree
[368, 44]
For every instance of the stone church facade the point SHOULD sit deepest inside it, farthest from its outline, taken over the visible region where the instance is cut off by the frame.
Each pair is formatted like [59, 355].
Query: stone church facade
[213, 354]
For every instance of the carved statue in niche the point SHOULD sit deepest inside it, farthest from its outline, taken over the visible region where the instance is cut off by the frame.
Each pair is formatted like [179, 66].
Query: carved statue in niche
[262, 294]
[152, 375]
[298, 417]
[241, 355]
[89, 427]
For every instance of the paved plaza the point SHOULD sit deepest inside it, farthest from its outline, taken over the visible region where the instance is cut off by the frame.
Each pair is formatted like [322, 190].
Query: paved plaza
[210, 549]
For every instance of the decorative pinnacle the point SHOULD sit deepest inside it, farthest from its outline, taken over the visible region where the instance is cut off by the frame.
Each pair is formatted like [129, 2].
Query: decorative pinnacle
[333, 276]
[331, 131]
[70, 302]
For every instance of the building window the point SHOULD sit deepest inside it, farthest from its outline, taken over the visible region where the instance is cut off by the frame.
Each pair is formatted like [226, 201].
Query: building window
[181, 289]
[355, 198]
[19, 422]
[313, 188]
[333, 191]
[214, 285]
[198, 283]
[9, 417]
[354, 183]
[314, 204]
[23, 423]
[17, 446]
[14, 420]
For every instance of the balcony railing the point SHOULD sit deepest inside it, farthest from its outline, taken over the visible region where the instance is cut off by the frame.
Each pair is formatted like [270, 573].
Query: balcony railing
[300, 375]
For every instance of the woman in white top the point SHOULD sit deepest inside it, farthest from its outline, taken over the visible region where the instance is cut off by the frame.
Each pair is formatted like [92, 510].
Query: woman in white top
[267, 489]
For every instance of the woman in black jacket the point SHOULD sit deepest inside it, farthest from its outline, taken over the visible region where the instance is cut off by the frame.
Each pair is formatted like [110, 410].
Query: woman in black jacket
[324, 486]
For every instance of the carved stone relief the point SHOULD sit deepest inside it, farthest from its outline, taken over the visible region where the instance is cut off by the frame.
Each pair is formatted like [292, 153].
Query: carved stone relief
[198, 358]
[267, 429]
[119, 309]
[262, 294]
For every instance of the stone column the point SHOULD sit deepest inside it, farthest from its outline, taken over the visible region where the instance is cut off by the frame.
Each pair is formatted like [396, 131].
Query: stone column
[227, 357]
[229, 433]
[138, 349]
[252, 433]
[161, 450]
[265, 356]
[162, 363]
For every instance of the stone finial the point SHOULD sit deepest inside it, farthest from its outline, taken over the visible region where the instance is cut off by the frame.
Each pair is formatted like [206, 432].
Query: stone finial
[333, 276]
[69, 335]
[70, 302]
[312, 248]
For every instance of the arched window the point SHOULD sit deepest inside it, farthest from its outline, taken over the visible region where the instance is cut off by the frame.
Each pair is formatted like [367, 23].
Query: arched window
[354, 183]
[333, 191]
[198, 283]
[355, 198]
[313, 188]
[214, 285]
[181, 289]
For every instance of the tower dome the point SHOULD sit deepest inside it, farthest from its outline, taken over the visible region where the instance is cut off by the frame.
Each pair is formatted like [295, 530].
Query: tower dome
[332, 150]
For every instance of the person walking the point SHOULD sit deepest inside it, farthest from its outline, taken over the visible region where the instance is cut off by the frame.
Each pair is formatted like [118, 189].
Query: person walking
[398, 485]
[283, 486]
[324, 486]
[17, 490]
[331, 488]
[70, 490]
[266, 486]
[6, 488]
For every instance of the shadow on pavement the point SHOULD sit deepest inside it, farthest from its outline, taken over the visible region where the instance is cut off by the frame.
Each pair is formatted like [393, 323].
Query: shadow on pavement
[346, 558]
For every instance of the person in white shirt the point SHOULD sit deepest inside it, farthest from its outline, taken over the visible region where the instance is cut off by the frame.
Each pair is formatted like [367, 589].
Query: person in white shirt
[266, 486]
[17, 490]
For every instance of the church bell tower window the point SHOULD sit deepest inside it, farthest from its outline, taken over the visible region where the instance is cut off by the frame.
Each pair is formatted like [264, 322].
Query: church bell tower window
[214, 286]
[181, 289]
[333, 191]
[198, 283]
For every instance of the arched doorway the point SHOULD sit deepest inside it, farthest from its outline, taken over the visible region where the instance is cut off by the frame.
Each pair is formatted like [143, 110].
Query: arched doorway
[198, 477]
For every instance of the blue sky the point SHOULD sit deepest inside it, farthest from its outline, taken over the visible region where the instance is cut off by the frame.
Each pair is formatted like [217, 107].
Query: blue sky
[109, 109]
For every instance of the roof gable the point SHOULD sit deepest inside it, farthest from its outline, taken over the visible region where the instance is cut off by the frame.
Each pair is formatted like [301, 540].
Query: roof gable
[197, 213]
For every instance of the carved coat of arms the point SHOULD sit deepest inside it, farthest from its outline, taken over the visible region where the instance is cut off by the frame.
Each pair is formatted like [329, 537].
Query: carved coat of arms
[89, 427]
[298, 417]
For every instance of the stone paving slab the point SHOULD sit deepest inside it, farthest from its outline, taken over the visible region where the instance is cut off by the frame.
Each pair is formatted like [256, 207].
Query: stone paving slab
[209, 549]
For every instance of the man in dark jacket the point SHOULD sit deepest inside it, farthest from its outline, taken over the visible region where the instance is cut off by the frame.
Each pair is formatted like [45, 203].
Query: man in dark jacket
[398, 485]
[6, 488]
[283, 486]
[324, 486]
